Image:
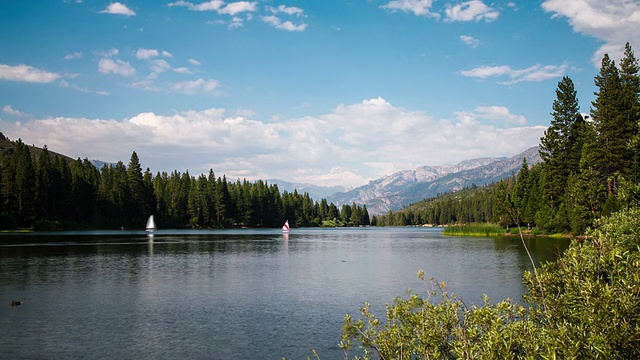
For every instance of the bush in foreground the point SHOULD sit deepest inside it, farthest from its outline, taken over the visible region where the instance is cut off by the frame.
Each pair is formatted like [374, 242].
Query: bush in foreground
[586, 305]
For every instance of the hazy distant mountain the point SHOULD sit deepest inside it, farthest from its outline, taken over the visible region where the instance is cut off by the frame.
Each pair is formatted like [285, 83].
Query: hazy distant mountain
[398, 190]
[99, 164]
[316, 192]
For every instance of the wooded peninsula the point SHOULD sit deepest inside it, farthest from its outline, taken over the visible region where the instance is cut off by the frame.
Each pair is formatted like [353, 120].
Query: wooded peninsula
[590, 167]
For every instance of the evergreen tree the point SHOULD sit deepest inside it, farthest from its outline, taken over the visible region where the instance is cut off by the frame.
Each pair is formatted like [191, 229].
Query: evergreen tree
[610, 156]
[139, 197]
[521, 191]
[45, 185]
[631, 104]
[25, 185]
[558, 146]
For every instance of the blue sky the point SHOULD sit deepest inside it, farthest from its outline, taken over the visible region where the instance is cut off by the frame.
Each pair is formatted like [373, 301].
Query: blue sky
[323, 92]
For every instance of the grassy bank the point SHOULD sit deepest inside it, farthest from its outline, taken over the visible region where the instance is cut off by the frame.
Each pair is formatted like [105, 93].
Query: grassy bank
[476, 229]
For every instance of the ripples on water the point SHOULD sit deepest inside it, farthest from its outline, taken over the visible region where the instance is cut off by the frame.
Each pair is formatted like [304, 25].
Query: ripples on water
[247, 294]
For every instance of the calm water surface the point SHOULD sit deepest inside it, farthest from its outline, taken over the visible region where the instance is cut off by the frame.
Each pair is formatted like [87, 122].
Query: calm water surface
[242, 294]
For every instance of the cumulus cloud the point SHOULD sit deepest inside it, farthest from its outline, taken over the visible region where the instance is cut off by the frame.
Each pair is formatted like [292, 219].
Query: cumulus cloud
[612, 21]
[238, 7]
[533, 73]
[333, 146]
[199, 86]
[494, 114]
[223, 8]
[117, 8]
[276, 21]
[25, 73]
[73, 56]
[8, 109]
[417, 7]
[219, 6]
[182, 70]
[117, 67]
[474, 10]
[470, 40]
[146, 54]
[286, 25]
[205, 6]
[291, 10]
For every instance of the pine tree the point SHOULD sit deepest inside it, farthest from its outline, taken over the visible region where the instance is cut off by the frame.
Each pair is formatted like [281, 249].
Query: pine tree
[139, 198]
[558, 146]
[611, 155]
[631, 101]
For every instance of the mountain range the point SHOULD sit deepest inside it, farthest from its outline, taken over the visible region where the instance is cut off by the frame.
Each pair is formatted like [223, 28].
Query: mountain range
[403, 188]
[395, 191]
[316, 192]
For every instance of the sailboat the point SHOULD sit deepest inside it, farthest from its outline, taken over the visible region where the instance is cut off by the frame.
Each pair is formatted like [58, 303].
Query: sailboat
[151, 224]
[285, 227]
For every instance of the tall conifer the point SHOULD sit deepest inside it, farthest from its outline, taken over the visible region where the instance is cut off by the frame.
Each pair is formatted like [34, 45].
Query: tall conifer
[557, 145]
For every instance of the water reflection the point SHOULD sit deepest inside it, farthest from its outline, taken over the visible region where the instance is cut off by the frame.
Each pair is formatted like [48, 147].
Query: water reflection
[251, 294]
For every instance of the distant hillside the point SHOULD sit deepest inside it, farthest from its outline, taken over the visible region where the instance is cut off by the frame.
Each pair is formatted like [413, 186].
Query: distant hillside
[316, 192]
[407, 187]
[7, 146]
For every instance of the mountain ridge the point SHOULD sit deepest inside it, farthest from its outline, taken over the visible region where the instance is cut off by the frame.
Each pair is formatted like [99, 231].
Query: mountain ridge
[403, 188]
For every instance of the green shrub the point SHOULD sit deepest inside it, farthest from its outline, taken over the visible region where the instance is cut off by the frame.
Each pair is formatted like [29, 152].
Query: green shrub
[47, 225]
[586, 305]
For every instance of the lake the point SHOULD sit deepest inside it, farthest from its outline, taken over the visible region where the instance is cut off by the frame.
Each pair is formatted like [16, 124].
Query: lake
[222, 294]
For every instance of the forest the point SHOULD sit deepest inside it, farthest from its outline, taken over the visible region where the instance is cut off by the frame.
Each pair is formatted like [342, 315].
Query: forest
[42, 190]
[590, 166]
[584, 305]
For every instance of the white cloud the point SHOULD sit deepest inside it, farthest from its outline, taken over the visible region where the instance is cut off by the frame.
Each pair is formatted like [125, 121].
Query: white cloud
[65, 84]
[146, 54]
[470, 40]
[235, 22]
[495, 114]
[117, 67]
[219, 6]
[117, 8]
[199, 86]
[146, 84]
[73, 56]
[238, 7]
[182, 70]
[159, 66]
[8, 109]
[26, 73]
[143, 54]
[292, 10]
[213, 5]
[533, 73]
[474, 10]
[287, 25]
[613, 21]
[350, 145]
[195, 62]
[417, 7]
[109, 53]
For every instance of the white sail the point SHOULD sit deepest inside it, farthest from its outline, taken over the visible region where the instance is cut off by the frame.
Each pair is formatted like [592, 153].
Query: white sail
[151, 224]
[285, 227]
